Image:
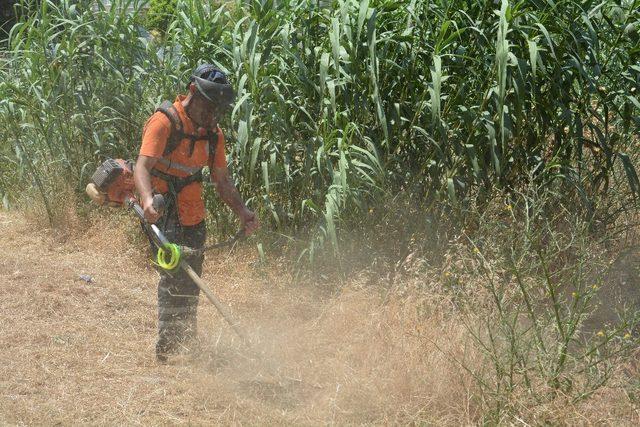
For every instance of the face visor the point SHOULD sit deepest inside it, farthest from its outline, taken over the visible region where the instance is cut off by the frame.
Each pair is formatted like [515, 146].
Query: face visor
[214, 86]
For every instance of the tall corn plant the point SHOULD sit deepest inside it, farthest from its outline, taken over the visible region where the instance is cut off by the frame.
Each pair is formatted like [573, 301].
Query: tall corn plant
[341, 104]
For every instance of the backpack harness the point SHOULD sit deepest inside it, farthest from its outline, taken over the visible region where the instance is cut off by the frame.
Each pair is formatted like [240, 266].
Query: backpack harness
[177, 184]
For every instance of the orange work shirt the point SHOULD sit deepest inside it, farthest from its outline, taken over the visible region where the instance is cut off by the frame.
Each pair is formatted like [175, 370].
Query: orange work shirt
[155, 135]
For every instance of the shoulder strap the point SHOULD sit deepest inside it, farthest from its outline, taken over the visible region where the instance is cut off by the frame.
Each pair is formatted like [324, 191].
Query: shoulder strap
[177, 133]
[175, 136]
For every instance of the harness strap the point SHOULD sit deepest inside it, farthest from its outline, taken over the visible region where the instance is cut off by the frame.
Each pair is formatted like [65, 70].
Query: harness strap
[177, 133]
[175, 166]
[170, 111]
[176, 182]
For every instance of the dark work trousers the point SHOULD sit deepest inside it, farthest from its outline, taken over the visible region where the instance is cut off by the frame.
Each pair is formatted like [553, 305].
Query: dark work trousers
[177, 294]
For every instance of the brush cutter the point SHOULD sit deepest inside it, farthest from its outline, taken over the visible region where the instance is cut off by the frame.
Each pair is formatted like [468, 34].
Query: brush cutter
[112, 184]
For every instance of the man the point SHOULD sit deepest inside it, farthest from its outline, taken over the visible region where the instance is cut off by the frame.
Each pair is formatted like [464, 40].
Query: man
[178, 140]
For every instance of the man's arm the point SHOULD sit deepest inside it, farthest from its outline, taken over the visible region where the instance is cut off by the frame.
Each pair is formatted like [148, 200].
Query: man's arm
[230, 196]
[142, 179]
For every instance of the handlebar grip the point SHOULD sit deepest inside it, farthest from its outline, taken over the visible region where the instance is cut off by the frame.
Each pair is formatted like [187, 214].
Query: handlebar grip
[158, 203]
[133, 204]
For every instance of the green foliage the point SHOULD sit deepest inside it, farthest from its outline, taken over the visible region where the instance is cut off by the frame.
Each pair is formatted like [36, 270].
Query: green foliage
[160, 14]
[7, 17]
[339, 108]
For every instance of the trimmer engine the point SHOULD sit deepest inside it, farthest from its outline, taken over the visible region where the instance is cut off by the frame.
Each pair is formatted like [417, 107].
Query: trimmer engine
[112, 183]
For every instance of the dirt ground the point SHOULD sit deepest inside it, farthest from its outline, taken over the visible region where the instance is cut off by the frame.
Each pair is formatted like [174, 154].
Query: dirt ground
[78, 328]
[78, 352]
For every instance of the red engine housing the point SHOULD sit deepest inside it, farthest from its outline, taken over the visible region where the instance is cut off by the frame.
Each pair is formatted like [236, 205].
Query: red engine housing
[114, 180]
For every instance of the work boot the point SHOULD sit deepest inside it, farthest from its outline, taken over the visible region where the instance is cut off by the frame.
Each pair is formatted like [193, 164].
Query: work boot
[168, 339]
[163, 349]
[161, 357]
[180, 334]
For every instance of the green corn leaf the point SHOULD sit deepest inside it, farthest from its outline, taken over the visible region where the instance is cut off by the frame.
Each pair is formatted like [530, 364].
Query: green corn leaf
[331, 86]
[334, 37]
[548, 38]
[255, 150]
[436, 77]
[632, 175]
[265, 178]
[362, 15]
[473, 158]
[634, 101]
[324, 67]
[451, 191]
[310, 205]
[493, 148]
[533, 57]
[502, 55]
[243, 137]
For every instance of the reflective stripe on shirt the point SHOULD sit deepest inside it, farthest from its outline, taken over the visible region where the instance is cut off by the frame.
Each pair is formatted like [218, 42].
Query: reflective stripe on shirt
[190, 170]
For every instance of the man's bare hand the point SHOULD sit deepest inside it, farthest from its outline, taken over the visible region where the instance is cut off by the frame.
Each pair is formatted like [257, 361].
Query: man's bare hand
[249, 222]
[229, 194]
[150, 213]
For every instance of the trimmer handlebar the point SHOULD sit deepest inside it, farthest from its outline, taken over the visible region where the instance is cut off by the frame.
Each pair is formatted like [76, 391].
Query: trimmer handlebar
[158, 204]
[154, 232]
[160, 240]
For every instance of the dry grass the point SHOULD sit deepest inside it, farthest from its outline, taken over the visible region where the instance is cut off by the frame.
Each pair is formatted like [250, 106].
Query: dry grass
[76, 352]
[73, 352]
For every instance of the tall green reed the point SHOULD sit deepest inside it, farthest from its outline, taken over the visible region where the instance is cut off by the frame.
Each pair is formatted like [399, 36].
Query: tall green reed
[341, 105]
